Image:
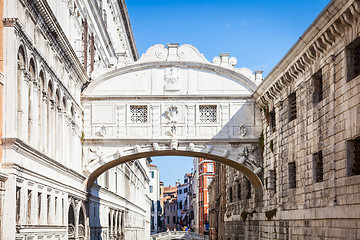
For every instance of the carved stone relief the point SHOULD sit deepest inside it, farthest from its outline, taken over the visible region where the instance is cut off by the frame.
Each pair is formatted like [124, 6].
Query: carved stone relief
[172, 79]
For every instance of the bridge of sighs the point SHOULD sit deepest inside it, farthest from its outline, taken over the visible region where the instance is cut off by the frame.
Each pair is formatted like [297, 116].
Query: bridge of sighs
[173, 101]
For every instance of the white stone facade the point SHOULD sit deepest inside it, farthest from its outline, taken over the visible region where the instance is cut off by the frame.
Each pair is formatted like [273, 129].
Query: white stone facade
[52, 47]
[154, 195]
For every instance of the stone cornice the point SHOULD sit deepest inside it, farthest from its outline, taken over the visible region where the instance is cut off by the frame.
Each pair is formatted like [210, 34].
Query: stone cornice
[129, 32]
[233, 73]
[101, 26]
[44, 17]
[328, 28]
[26, 150]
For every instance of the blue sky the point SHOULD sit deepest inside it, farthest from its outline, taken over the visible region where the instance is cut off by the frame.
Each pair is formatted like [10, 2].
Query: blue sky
[257, 32]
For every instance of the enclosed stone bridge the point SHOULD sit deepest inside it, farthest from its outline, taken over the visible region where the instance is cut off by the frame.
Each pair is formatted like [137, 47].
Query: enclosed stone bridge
[173, 102]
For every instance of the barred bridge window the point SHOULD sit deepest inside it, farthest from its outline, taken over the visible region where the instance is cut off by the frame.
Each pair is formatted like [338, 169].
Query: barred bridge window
[139, 113]
[207, 113]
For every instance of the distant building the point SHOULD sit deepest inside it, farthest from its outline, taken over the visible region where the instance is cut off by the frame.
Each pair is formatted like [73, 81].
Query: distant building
[154, 194]
[183, 198]
[162, 219]
[206, 172]
[170, 207]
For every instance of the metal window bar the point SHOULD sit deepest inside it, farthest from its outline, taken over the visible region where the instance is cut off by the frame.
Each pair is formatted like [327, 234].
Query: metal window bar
[356, 61]
[318, 87]
[318, 167]
[356, 157]
[292, 175]
[292, 104]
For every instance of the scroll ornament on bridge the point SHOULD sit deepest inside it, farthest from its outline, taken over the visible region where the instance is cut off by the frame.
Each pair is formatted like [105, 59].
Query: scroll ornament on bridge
[247, 157]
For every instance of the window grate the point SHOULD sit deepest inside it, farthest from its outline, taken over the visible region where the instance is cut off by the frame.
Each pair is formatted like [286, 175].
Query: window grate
[356, 166]
[239, 192]
[292, 106]
[356, 61]
[208, 113]
[248, 189]
[230, 195]
[318, 87]
[272, 121]
[318, 167]
[139, 114]
[292, 175]
[354, 156]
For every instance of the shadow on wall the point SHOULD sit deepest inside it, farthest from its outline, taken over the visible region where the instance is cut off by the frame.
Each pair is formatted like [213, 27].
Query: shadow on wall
[93, 207]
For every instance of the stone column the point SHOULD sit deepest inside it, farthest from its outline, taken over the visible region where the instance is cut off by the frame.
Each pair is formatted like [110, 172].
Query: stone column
[44, 115]
[190, 119]
[36, 113]
[24, 93]
[51, 128]
[155, 120]
[224, 119]
[31, 133]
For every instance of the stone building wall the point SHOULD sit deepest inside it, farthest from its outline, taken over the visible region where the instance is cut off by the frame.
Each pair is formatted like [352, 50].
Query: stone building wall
[311, 128]
[52, 49]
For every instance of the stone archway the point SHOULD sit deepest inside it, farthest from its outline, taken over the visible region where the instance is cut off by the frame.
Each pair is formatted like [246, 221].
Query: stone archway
[243, 160]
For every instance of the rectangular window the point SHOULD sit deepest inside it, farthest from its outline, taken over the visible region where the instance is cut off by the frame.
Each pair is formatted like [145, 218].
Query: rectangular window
[168, 220]
[174, 219]
[18, 202]
[151, 189]
[318, 87]
[208, 113]
[353, 157]
[139, 113]
[248, 189]
[292, 175]
[230, 195]
[209, 179]
[48, 208]
[152, 174]
[272, 180]
[210, 167]
[318, 167]
[39, 206]
[239, 191]
[272, 121]
[353, 60]
[29, 198]
[292, 106]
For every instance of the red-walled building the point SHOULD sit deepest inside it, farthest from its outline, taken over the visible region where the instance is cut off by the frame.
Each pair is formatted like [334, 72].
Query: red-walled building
[206, 172]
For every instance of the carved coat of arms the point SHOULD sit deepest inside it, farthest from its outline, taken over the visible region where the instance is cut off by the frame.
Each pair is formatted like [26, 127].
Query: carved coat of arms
[172, 79]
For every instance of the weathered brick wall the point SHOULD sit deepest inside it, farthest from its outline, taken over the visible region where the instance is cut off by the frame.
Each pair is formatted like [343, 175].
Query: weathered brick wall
[312, 208]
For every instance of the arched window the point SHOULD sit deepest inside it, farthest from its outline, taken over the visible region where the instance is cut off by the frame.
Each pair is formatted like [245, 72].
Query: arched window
[21, 57]
[32, 69]
[71, 223]
[81, 228]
